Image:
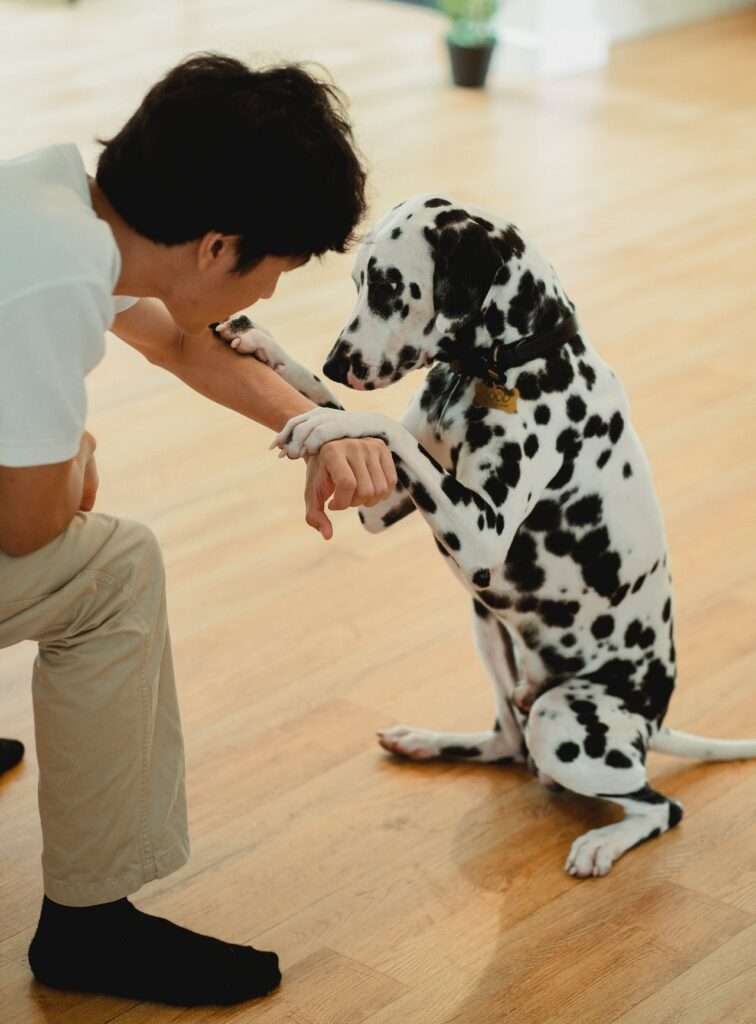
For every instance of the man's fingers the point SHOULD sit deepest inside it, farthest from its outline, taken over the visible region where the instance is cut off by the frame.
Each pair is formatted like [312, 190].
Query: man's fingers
[360, 462]
[389, 468]
[345, 486]
[318, 520]
[383, 472]
[318, 489]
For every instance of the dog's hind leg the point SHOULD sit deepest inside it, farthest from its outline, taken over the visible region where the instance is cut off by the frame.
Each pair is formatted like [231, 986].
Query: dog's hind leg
[504, 742]
[590, 743]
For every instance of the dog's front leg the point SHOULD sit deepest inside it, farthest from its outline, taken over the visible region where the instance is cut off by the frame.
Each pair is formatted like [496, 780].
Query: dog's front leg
[468, 527]
[248, 338]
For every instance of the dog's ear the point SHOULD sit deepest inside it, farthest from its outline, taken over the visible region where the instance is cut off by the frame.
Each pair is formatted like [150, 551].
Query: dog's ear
[466, 261]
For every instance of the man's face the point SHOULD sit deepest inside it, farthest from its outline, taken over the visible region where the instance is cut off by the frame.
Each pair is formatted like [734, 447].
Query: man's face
[214, 292]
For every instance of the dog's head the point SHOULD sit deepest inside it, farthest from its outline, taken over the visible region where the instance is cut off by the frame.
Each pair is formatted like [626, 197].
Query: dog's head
[423, 277]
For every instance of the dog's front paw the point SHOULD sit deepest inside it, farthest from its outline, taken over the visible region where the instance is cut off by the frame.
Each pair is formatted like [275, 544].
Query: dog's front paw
[306, 434]
[593, 854]
[248, 338]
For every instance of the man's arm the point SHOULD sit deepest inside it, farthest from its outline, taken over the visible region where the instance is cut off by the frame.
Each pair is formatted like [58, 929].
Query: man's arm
[355, 472]
[207, 365]
[37, 503]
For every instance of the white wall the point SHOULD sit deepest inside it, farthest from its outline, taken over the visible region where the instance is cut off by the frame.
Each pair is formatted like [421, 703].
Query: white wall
[551, 37]
[626, 18]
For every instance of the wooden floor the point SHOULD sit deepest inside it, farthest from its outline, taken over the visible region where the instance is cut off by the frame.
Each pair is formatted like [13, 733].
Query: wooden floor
[430, 894]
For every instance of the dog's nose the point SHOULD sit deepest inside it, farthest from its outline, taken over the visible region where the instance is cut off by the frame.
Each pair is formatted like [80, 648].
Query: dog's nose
[336, 366]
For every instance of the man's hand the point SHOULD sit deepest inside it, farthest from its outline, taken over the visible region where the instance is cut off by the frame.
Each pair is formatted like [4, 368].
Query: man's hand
[355, 472]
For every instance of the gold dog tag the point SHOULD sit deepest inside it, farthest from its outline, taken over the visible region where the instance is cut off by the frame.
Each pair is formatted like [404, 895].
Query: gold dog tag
[494, 396]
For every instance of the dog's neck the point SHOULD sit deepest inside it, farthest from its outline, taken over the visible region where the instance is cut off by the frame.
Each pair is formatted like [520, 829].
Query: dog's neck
[466, 356]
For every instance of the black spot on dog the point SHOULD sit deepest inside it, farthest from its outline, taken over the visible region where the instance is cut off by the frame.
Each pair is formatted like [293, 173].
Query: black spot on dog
[576, 408]
[567, 751]
[494, 320]
[563, 477]
[478, 435]
[588, 374]
[546, 515]
[675, 813]
[586, 511]
[527, 385]
[396, 232]
[385, 287]
[494, 600]
[531, 445]
[460, 751]
[558, 613]
[482, 578]
[451, 540]
[522, 567]
[436, 202]
[616, 759]
[667, 610]
[638, 583]
[627, 470]
[447, 217]
[637, 636]
[595, 427]
[560, 543]
[399, 512]
[558, 374]
[542, 414]
[522, 307]
[427, 455]
[415, 290]
[602, 627]
[569, 640]
[619, 595]
[421, 497]
[558, 664]
[481, 611]
[616, 426]
[603, 458]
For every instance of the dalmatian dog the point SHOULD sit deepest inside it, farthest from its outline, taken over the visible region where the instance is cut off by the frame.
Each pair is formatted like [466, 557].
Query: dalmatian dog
[519, 453]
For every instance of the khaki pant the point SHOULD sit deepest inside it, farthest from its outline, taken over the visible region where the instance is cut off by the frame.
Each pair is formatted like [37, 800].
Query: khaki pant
[109, 746]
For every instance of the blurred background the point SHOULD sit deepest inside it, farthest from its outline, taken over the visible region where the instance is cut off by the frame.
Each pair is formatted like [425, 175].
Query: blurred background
[621, 136]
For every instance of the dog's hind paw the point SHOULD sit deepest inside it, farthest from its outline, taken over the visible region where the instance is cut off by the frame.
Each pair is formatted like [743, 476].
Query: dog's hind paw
[406, 741]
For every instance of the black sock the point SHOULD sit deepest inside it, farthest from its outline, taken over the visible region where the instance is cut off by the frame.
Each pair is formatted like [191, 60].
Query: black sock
[117, 950]
[11, 752]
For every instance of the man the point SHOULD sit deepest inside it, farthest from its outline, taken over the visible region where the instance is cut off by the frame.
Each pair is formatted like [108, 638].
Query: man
[222, 180]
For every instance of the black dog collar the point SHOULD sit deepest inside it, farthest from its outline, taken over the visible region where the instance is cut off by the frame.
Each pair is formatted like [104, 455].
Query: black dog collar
[491, 364]
[488, 367]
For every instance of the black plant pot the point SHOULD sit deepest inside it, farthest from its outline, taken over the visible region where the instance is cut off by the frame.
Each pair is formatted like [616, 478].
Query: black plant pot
[470, 63]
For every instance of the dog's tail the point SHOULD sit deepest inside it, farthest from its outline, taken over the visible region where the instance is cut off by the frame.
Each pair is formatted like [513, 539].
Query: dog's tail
[683, 744]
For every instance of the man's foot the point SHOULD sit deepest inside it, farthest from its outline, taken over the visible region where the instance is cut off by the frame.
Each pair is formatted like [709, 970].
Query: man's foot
[11, 752]
[115, 949]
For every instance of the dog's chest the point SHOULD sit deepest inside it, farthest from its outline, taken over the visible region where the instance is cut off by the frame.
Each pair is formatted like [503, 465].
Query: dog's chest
[442, 424]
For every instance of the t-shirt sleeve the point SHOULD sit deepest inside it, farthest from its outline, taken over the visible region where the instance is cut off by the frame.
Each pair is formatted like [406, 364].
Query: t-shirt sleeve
[123, 302]
[49, 341]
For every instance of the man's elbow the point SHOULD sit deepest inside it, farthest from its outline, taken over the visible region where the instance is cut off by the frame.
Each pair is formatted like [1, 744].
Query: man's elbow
[17, 543]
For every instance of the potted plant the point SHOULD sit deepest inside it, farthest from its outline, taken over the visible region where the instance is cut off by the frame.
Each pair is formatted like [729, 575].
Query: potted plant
[470, 39]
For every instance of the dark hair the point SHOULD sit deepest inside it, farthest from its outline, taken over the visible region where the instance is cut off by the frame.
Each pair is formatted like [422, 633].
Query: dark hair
[216, 146]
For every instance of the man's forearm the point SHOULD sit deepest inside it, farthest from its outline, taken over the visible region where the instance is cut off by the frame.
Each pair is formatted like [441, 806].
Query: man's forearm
[241, 383]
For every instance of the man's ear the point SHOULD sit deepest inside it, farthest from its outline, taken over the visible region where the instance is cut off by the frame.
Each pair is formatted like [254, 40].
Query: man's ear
[216, 249]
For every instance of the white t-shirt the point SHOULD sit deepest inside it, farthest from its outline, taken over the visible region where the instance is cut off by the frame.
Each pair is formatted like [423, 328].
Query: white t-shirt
[58, 266]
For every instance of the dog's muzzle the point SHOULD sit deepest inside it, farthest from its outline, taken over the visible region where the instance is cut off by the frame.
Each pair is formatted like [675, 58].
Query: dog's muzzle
[337, 365]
